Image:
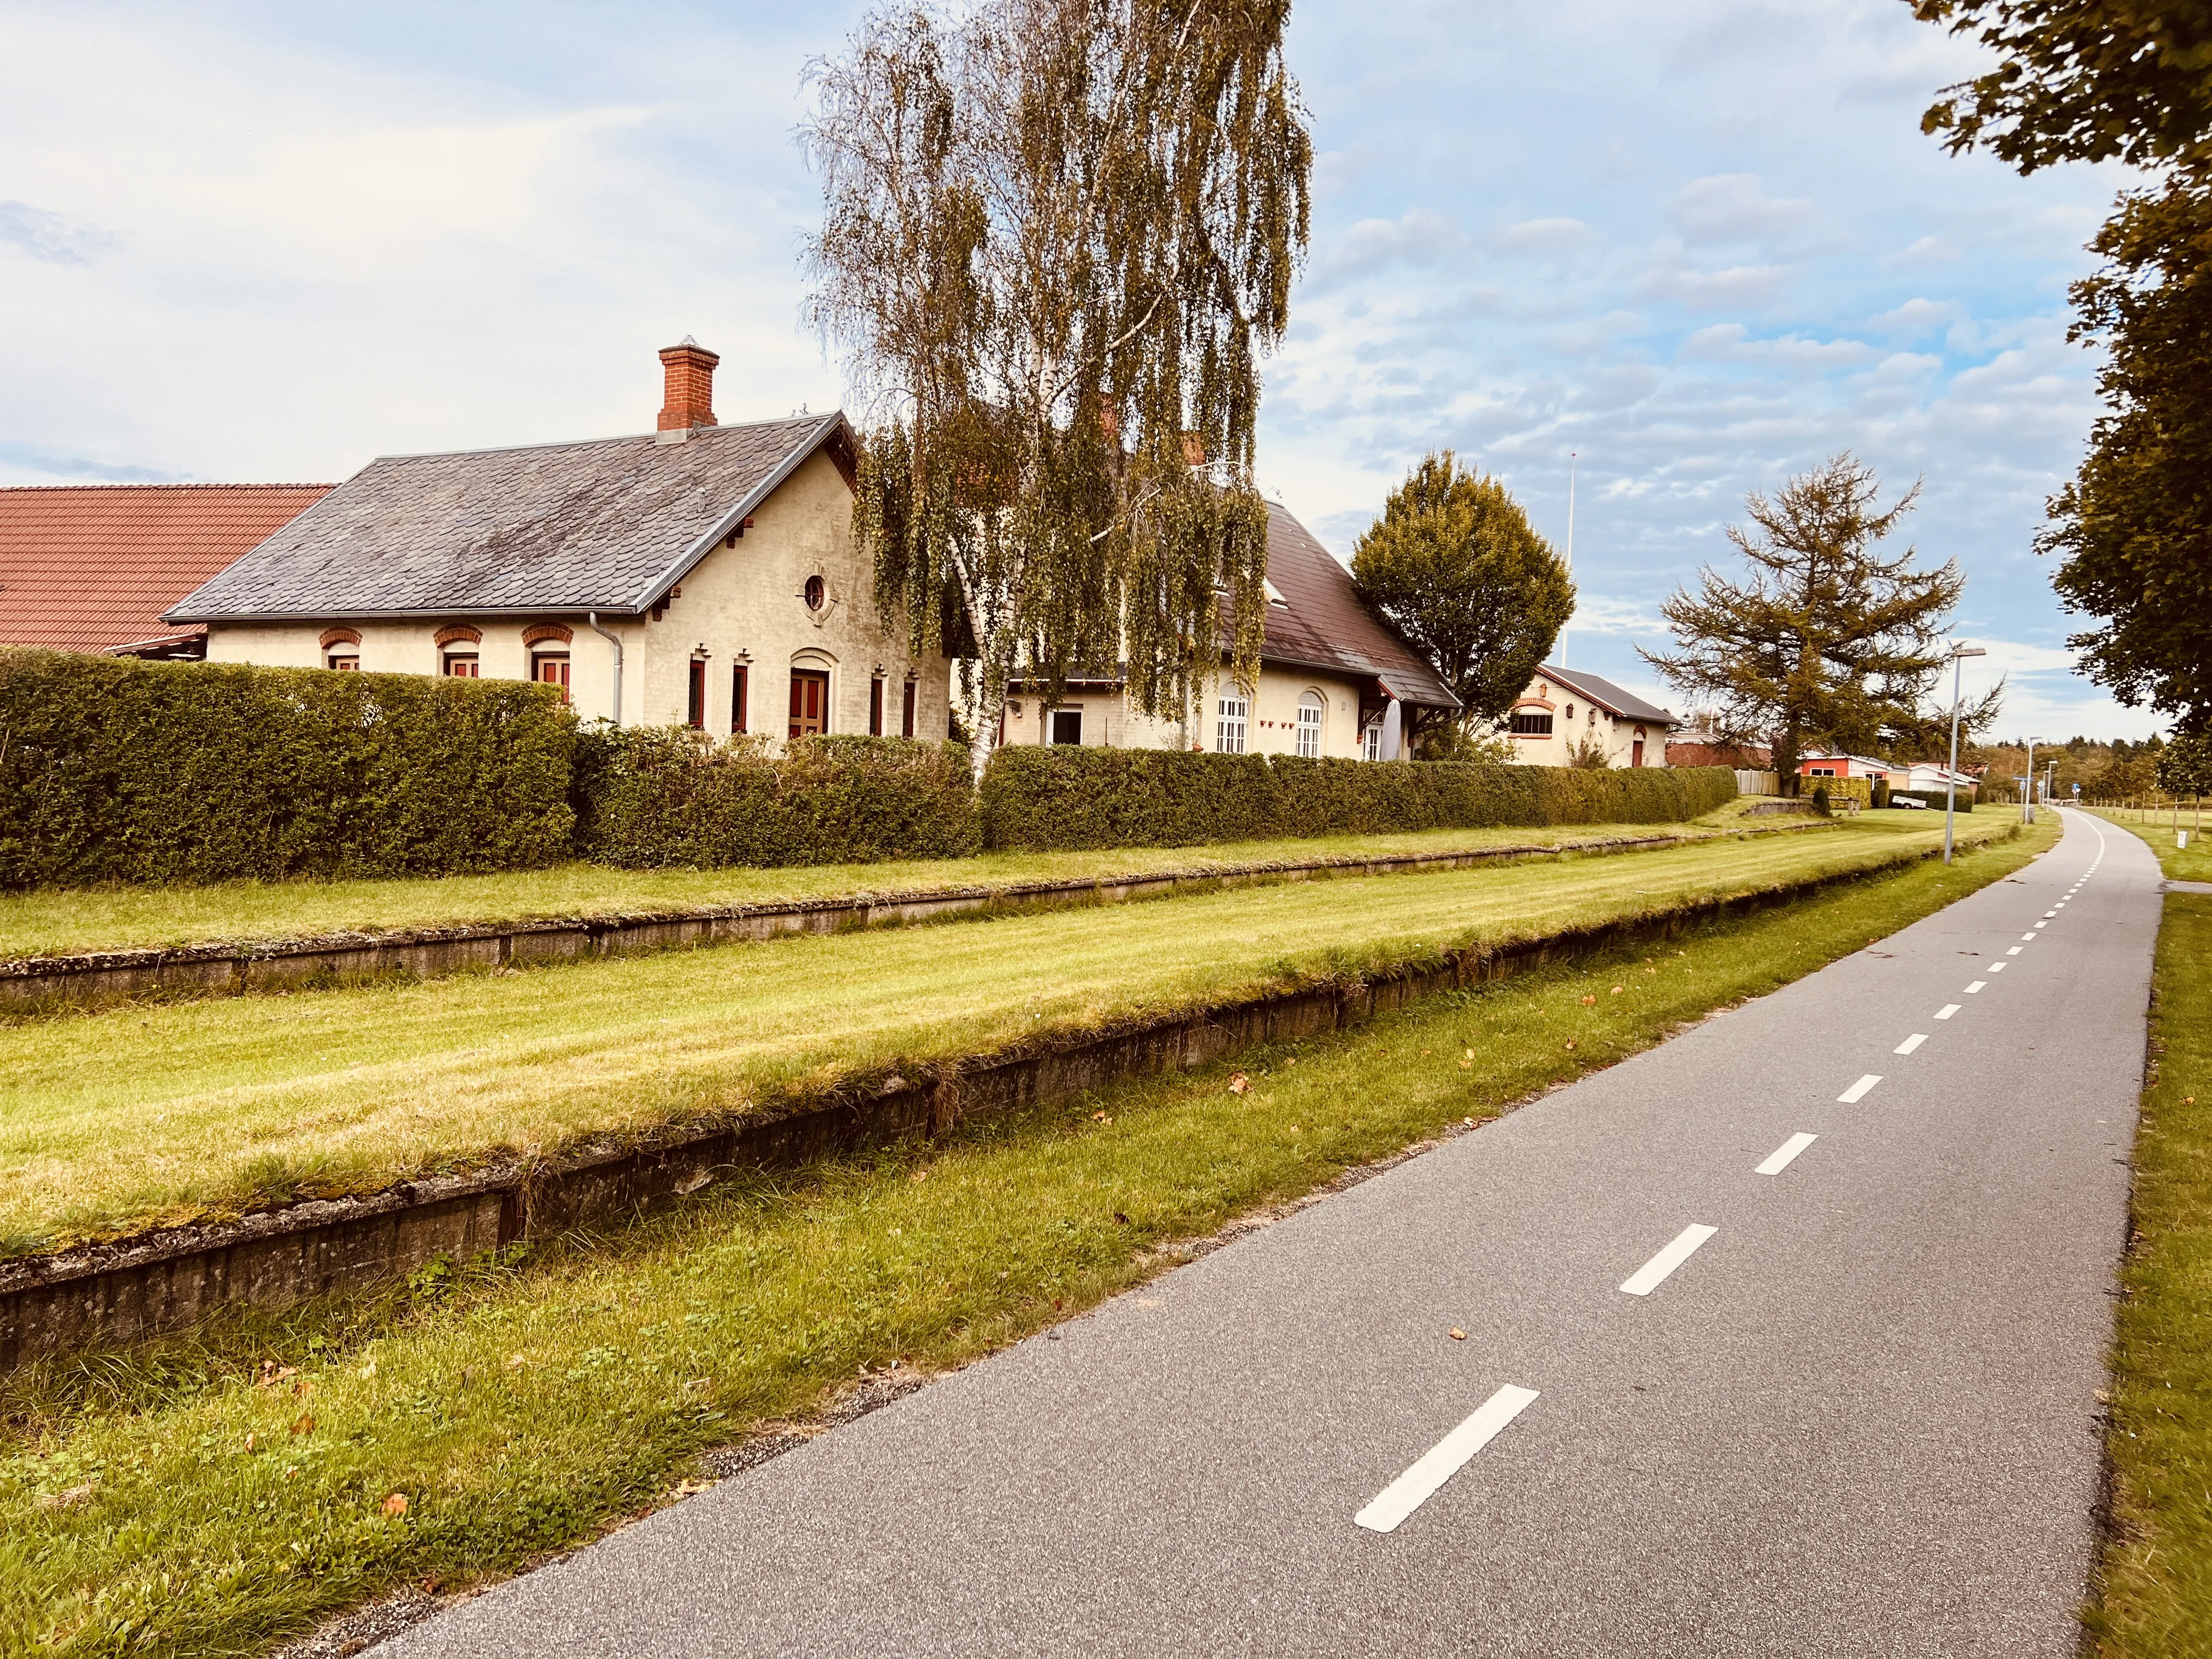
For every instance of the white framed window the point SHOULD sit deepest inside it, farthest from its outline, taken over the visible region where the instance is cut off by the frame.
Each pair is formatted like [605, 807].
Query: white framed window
[1370, 744]
[1310, 713]
[1234, 714]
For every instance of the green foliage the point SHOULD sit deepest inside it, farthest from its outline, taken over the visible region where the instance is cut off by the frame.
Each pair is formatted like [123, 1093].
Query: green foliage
[2135, 525]
[670, 795]
[1829, 640]
[1057, 238]
[1820, 799]
[1456, 566]
[2078, 80]
[1062, 797]
[118, 771]
[1933, 797]
[1880, 794]
[2184, 767]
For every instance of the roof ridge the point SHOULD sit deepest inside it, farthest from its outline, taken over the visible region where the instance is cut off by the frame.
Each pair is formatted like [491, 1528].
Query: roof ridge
[51, 490]
[619, 438]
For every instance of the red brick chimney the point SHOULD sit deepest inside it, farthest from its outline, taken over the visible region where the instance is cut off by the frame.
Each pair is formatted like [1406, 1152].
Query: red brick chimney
[689, 370]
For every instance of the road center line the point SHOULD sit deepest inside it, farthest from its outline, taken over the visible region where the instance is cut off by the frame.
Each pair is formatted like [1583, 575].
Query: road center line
[1947, 1010]
[2039, 926]
[1444, 1460]
[1782, 1157]
[2025, 938]
[2013, 951]
[1975, 986]
[1911, 1044]
[1858, 1090]
[1653, 1274]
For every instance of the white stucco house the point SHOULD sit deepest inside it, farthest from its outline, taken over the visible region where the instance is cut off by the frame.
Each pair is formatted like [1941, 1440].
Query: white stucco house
[1564, 709]
[700, 574]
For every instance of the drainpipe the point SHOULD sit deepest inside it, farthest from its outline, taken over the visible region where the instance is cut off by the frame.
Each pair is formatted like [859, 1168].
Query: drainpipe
[592, 622]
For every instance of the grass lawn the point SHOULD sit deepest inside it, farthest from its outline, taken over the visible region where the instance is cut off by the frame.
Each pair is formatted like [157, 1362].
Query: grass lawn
[53, 923]
[2193, 864]
[116, 1121]
[177, 1502]
[2155, 1590]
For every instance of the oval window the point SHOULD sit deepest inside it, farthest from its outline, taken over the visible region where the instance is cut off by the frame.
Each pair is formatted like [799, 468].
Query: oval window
[815, 593]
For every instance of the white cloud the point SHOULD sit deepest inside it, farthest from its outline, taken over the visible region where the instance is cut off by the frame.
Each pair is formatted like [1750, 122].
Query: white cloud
[49, 236]
[1731, 207]
[1544, 236]
[1739, 288]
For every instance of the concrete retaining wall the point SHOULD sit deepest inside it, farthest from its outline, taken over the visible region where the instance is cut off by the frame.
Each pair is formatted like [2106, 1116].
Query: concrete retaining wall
[36, 985]
[108, 1295]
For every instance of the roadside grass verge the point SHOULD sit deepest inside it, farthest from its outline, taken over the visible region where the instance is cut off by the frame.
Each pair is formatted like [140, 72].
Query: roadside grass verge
[114, 1122]
[2192, 863]
[60, 922]
[2155, 1588]
[174, 1501]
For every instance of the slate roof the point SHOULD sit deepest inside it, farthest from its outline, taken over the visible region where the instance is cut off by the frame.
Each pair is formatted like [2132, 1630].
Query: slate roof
[92, 566]
[1322, 624]
[607, 525]
[1605, 695]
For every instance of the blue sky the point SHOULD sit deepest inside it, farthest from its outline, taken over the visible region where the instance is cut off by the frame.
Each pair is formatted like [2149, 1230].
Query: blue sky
[1702, 245]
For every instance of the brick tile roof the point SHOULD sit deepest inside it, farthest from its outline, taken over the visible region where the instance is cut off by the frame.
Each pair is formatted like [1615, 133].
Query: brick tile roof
[604, 526]
[92, 566]
[1322, 624]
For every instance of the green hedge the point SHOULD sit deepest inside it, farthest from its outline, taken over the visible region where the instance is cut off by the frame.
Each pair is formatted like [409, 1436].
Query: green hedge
[1935, 798]
[1039, 798]
[114, 771]
[653, 797]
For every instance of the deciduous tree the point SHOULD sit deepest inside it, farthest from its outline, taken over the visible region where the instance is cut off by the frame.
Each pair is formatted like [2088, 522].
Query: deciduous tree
[1827, 639]
[2130, 80]
[1456, 566]
[1058, 236]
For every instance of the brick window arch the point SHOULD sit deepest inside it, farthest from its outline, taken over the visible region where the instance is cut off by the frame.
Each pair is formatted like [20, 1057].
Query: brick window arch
[460, 634]
[544, 633]
[334, 636]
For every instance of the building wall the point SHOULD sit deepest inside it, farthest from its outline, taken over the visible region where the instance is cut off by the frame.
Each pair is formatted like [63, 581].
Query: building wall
[742, 599]
[1270, 725]
[1575, 718]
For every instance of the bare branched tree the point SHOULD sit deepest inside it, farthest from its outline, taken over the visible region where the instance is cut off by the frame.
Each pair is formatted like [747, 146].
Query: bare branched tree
[1058, 236]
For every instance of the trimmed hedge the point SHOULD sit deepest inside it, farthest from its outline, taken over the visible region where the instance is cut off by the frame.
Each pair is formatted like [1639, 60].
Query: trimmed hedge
[115, 770]
[1063, 796]
[1935, 798]
[657, 796]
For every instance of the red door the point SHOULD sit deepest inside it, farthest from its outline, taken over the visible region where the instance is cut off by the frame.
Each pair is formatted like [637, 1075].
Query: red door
[1636, 753]
[809, 703]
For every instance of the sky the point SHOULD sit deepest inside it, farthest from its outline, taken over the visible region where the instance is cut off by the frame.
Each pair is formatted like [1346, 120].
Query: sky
[1683, 252]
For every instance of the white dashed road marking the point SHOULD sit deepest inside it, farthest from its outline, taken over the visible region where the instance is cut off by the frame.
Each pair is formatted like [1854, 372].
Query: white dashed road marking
[1975, 986]
[1444, 1460]
[1653, 1274]
[1947, 1010]
[1911, 1044]
[1858, 1090]
[1781, 1158]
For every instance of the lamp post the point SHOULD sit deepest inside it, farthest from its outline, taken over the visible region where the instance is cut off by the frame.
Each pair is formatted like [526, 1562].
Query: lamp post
[2027, 785]
[1959, 654]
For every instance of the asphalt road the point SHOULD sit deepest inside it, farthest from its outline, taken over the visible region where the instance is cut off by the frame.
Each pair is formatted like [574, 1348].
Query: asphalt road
[1858, 1418]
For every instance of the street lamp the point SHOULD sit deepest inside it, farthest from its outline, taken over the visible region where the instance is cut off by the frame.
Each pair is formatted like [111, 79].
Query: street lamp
[1959, 654]
[2027, 785]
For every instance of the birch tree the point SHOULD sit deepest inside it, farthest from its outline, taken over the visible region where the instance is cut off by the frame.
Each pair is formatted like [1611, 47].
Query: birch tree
[1058, 237]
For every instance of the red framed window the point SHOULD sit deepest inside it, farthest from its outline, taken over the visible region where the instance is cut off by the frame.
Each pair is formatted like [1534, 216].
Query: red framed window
[875, 708]
[551, 668]
[738, 688]
[906, 712]
[696, 698]
[461, 664]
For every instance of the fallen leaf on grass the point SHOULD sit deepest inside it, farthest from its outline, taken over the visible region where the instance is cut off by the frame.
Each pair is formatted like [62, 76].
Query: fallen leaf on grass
[1468, 1054]
[395, 1504]
[1570, 1042]
[1587, 1001]
[66, 1500]
[1238, 1084]
[369, 1370]
[1616, 990]
[689, 1488]
[305, 1425]
[291, 1469]
[515, 1362]
[919, 1175]
[1458, 1334]
[273, 1374]
[1121, 1219]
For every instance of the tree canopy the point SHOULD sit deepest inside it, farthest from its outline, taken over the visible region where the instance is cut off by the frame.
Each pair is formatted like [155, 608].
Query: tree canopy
[2092, 80]
[1058, 236]
[1456, 566]
[2079, 80]
[1827, 639]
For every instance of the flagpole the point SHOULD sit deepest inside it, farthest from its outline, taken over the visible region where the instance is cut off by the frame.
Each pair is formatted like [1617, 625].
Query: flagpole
[1571, 461]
